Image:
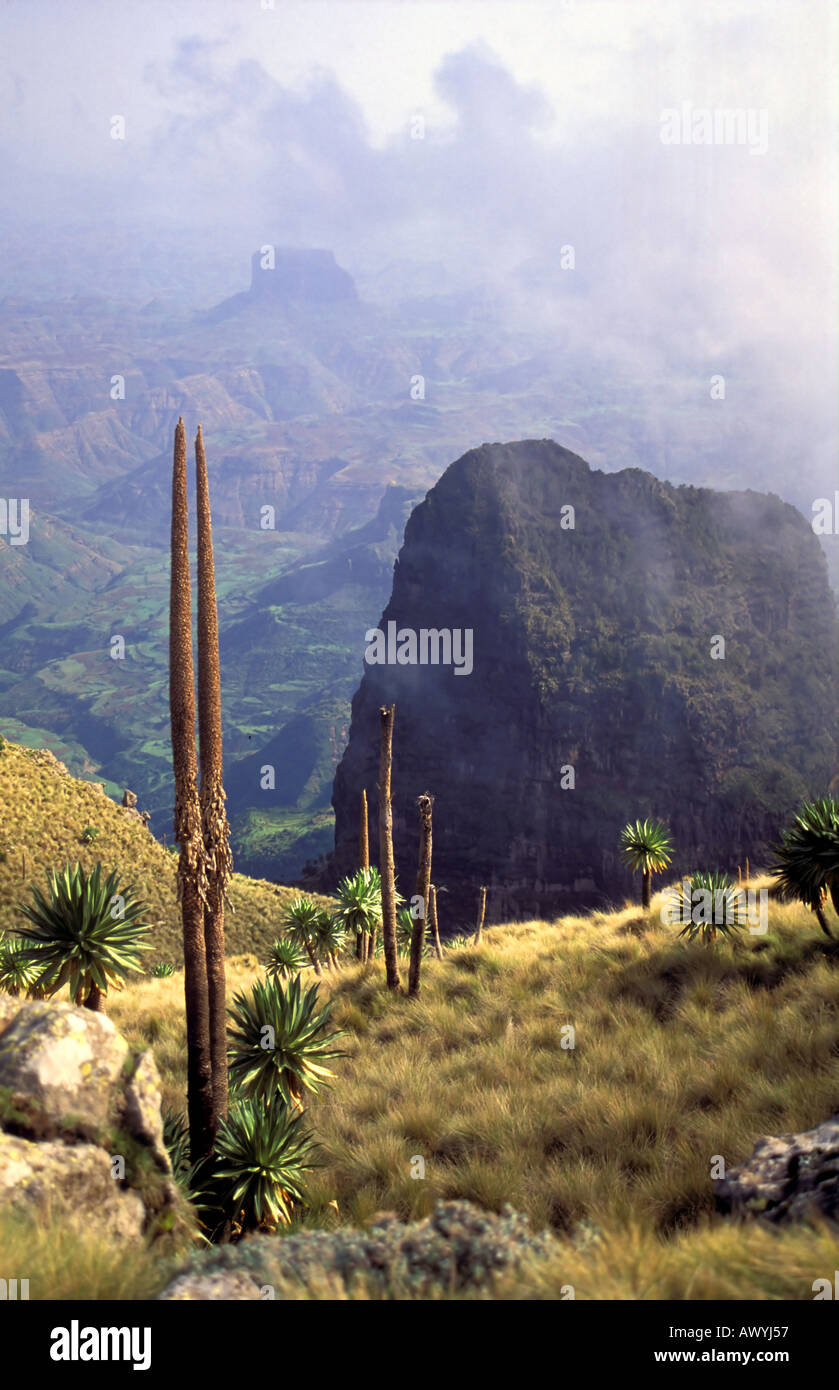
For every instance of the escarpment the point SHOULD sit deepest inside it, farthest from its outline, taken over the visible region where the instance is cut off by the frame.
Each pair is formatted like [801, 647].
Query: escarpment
[634, 648]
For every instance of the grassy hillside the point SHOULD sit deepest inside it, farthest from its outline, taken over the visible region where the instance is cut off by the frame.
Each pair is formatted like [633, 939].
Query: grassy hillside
[679, 1055]
[44, 814]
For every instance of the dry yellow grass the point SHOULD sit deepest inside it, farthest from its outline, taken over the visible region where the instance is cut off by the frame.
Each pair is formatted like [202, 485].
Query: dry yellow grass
[44, 814]
[64, 1260]
[680, 1055]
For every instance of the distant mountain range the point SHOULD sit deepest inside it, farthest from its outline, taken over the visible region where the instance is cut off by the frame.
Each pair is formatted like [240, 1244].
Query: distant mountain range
[325, 417]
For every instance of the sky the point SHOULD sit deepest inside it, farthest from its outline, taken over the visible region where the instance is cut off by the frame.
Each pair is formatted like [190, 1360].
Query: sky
[248, 123]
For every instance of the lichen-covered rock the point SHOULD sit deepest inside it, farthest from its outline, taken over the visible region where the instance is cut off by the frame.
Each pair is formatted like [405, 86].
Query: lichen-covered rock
[69, 1061]
[80, 1121]
[45, 1176]
[459, 1247]
[787, 1178]
[229, 1285]
[141, 1106]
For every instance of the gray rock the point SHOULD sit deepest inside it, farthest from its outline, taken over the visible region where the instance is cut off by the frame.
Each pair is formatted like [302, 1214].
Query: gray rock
[68, 1061]
[787, 1178]
[228, 1284]
[458, 1247]
[46, 1177]
[141, 1108]
[71, 1091]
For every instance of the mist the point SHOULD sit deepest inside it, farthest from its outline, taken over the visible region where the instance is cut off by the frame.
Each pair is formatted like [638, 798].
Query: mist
[437, 148]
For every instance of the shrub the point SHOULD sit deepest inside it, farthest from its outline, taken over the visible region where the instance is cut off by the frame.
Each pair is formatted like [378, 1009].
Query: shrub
[360, 901]
[263, 1154]
[80, 942]
[459, 1248]
[285, 959]
[726, 907]
[330, 936]
[806, 864]
[287, 1019]
[176, 1141]
[301, 926]
[405, 931]
[646, 845]
[20, 967]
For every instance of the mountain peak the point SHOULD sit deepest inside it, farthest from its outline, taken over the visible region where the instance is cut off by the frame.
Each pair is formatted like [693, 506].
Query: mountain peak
[297, 275]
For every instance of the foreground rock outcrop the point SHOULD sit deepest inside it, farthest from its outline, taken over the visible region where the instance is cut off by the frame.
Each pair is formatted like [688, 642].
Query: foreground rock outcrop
[80, 1123]
[637, 649]
[787, 1178]
[458, 1247]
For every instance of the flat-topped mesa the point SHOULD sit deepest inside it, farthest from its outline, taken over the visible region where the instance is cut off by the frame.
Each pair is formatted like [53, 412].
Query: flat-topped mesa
[636, 649]
[300, 276]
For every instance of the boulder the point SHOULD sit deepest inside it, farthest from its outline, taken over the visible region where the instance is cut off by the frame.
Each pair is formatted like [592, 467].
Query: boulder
[43, 1177]
[458, 1247]
[129, 804]
[141, 1107]
[80, 1121]
[68, 1061]
[787, 1178]
[229, 1285]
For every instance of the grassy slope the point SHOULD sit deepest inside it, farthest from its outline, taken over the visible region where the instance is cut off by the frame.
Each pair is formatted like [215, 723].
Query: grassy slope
[679, 1055]
[43, 812]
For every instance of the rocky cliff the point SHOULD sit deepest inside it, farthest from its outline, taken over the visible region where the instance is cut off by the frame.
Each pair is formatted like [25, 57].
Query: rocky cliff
[637, 649]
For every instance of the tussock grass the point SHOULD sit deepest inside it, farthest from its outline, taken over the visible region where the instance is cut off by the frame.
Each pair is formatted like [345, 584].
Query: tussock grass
[65, 1260]
[680, 1055]
[721, 1261]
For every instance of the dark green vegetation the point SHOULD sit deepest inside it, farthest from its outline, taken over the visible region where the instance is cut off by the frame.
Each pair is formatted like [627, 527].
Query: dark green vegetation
[600, 689]
[646, 846]
[807, 859]
[296, 1060]
[724, 915]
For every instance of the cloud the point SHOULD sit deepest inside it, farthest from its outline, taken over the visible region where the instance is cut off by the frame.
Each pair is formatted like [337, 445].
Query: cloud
[688, 261]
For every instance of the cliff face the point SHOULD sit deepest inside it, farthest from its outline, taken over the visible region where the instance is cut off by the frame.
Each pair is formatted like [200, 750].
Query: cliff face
[595, 602]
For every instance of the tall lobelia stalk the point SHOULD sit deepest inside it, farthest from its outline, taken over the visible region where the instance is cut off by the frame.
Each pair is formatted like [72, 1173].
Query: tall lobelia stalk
[363, 862]
[192, 881]
[479, 928]
[432, 918]
[215, 828]
[387, 870]
[364, 835]
[424, 806]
